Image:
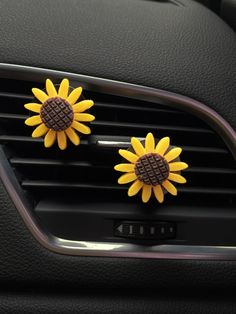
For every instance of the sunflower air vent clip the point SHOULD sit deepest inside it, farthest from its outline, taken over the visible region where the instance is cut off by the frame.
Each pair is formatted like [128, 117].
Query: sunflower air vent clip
[59, 114]
[151, 168]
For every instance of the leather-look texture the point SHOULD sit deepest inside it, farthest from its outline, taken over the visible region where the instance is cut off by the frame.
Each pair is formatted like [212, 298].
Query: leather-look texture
[25, 264]
[57, 304]
[179, 46]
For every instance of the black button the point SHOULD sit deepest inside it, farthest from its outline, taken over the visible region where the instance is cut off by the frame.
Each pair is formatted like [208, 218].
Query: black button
[145, 230]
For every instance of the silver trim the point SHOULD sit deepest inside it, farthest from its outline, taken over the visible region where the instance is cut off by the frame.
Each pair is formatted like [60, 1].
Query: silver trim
[85, 248]
[113, 143]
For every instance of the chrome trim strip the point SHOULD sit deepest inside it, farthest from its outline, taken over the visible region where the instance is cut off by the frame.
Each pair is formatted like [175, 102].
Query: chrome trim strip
[85, 248]
[113, 143]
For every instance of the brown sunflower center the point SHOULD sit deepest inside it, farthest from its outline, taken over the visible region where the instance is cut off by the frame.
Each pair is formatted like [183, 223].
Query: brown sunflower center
[152, 169]
[57, 114]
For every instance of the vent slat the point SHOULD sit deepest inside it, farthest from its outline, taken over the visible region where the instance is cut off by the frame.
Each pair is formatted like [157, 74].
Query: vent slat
[65, 185]
[21, 139]
[49, 162]
[150, 127]
[60, 163]
[224, 171]
[15, 96]
[198, 149]
[28, 139]
[139, 109]
[13, 116]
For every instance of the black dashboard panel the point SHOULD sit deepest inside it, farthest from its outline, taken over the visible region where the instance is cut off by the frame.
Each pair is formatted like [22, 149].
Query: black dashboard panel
[179, 46]
[160, 304]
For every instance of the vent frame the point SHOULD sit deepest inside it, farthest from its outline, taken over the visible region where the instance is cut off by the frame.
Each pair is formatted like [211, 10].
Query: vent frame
[136, 92]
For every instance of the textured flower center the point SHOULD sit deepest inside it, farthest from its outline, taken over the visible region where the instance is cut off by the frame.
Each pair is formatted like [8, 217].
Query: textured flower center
[152, 169]
[57, 114]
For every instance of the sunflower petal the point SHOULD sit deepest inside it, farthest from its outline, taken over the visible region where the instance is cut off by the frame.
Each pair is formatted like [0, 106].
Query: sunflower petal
[176, 178]
[169, 187]
[162, 146]
[63, 89]
[73, 136]
[74, 95]
[82, 128]
[40, 95]
[40, 130]
[178, 165]
[33, 107]
[61, 139]
[146, 193]
[50, 88]
[50, 138]
[173, 153]
[127, 177]
[150, 143]
[137, 146]
[131, 157]
[34, 120]
[83, 105]
[84, 117]
[135, 188]
[124, 167]
[158, 192]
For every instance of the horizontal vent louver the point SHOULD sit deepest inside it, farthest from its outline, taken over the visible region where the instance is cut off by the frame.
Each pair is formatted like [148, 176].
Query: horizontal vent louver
[88, 169]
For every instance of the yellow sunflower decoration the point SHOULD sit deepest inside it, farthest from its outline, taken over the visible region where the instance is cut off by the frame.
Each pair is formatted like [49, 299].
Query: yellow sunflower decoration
[59, 114]
[151, 168]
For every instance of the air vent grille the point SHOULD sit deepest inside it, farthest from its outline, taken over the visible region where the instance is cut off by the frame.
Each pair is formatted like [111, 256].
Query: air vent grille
[88, 169]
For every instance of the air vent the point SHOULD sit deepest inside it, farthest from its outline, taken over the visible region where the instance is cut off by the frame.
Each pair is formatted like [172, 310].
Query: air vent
[75, 192]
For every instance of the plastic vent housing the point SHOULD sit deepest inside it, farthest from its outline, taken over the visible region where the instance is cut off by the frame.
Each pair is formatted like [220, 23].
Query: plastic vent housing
[75, 193]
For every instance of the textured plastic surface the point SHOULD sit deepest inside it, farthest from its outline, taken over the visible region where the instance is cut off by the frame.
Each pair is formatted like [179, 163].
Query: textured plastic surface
[20, 256]
[179, 46]
[25, 303]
